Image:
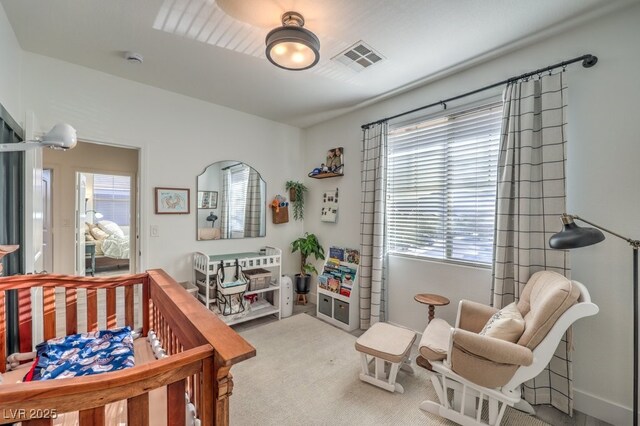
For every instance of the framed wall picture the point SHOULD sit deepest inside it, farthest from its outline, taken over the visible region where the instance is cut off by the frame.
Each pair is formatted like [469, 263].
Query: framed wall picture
[207, 199]
[172, 201]
[335, 161]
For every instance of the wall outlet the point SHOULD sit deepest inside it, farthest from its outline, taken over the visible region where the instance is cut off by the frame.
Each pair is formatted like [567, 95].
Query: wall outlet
[155, 231]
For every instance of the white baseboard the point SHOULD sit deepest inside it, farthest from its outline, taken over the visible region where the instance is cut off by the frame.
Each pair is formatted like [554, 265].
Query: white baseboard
[602, 409]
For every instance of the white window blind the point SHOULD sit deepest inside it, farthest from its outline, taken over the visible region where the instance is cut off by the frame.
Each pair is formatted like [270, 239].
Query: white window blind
[112, 198]
[238, 196]
[442, 186]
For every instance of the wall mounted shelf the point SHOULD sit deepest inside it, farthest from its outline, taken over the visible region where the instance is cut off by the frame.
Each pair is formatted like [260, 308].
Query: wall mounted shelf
[325, 175]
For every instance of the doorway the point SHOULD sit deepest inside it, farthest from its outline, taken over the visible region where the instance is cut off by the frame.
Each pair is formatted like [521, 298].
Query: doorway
[104, 204]
[113, 171]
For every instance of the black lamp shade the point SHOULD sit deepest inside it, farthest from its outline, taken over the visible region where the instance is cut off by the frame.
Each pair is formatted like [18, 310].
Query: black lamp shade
[573, 236]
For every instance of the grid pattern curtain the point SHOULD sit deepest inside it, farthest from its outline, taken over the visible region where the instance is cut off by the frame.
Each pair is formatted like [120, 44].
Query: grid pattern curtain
[530, 200]
[442, 186]
[253, 203]
[372, 244]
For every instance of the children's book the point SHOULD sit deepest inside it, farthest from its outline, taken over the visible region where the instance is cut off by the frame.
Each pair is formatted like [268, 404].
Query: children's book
[336, 253]
[352, 256]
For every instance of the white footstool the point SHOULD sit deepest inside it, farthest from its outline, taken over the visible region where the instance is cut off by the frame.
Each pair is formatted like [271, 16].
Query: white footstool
[390, 347]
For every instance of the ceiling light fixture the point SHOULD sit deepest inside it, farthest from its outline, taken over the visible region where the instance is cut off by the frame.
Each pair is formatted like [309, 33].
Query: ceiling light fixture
[291, 46]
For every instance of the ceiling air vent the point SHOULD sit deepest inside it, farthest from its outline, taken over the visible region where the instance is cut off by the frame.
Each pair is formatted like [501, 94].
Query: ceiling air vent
[358, 57]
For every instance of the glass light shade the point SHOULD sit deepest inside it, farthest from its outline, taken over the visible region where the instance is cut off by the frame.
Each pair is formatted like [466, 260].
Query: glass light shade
[293, 48]
[96, 214]
[62, 136]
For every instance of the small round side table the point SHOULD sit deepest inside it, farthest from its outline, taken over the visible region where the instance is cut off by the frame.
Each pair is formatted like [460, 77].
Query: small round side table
[432, 300]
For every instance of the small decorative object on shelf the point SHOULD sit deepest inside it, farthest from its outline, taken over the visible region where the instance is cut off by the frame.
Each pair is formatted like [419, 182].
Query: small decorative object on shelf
[296, 195]
[338, 288]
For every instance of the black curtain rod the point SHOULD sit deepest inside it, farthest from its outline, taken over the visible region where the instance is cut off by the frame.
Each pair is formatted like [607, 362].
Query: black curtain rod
[587, 61]
[233, 165]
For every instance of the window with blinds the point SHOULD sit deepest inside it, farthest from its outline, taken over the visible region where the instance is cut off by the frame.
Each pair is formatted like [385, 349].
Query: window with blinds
[112, 198]
[441, 190]
[238, 181]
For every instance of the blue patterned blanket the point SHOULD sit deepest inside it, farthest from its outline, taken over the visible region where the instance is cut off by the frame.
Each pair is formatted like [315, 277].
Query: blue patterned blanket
[84, 354]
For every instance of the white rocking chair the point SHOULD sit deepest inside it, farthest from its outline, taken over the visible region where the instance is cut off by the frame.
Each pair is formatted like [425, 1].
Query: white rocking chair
[478, 368]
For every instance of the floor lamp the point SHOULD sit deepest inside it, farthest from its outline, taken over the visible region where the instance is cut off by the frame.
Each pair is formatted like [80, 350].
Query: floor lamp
[573, 236]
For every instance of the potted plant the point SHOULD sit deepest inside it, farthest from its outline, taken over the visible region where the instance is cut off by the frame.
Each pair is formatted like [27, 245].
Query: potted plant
[296, 196]
[307, 245]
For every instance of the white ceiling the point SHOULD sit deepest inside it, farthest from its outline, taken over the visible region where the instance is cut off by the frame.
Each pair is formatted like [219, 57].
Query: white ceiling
[214, 50]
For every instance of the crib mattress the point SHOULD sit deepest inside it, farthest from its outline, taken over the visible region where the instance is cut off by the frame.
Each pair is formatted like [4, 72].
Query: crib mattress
[116, 413]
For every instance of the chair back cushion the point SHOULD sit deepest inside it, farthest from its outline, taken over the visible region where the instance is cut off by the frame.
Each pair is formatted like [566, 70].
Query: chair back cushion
[544, 299]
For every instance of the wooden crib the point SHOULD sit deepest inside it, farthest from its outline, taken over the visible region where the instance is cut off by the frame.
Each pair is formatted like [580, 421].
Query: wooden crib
[201, 349]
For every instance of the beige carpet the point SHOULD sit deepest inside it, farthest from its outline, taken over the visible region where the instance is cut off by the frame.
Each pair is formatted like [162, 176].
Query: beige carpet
[306, 373]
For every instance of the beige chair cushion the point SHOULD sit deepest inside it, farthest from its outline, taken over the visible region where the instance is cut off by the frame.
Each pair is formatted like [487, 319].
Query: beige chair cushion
[435, 340]
[544, 299]
[208, 233]
[386, 341]
[506, 324]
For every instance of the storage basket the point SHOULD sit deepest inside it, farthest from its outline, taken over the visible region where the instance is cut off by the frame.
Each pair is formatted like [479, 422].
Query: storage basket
[281, 215]
[191, 289]
[259, 278]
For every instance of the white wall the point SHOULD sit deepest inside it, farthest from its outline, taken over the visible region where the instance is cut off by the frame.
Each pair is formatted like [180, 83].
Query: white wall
[603, 178]
[10, 66]
[178, 137]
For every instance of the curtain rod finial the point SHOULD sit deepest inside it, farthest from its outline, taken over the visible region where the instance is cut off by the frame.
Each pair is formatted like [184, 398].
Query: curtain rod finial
[590, 61]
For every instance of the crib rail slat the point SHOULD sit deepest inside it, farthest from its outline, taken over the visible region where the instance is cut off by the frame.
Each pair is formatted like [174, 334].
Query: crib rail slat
[25, 322]
[175, 403]
[71, 313]
[128, 306]
[3, 348]
[92, 417]
[111, 308]
[92, 310]
[146, 306]
[49, 312]
[138, 410]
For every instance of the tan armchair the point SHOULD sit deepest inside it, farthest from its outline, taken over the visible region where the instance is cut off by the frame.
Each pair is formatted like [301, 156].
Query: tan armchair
[478, 366]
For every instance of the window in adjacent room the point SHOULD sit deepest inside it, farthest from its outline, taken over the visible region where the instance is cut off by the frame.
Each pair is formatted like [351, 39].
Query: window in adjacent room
[112, 198]
[441, 190]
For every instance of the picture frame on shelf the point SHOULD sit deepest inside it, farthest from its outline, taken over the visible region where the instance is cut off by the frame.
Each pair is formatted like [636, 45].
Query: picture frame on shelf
[207, 199]
[172, 200]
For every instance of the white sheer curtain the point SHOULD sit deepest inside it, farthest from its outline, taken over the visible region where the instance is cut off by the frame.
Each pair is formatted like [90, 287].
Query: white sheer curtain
[225, 222]
[530, 200]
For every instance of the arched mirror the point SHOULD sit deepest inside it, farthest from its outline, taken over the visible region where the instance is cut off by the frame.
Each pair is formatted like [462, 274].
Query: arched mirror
[231, 202]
